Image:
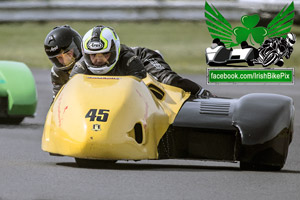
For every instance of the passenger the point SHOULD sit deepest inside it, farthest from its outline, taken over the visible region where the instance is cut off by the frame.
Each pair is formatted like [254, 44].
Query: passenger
[217, 42]
[104, 55]
[63, 48]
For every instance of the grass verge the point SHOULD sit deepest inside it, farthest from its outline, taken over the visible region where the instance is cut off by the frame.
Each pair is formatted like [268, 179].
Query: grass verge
[183, 44]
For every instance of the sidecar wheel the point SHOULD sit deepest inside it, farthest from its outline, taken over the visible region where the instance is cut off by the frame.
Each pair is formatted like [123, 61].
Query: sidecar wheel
[259, 167]
[269, 59]
[250, 63]
[89, 163]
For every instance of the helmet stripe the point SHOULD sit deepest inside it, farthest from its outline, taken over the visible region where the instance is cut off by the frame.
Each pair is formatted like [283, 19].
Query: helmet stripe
[103, 39]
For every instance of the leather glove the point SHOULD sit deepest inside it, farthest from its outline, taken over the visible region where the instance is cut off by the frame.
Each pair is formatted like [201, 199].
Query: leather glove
[204, 94]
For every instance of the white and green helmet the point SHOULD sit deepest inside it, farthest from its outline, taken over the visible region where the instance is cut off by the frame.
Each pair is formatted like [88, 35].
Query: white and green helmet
[101, 39]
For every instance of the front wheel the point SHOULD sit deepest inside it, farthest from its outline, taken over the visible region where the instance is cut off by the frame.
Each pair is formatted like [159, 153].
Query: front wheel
[269, 59]
[90, 163]
[11, 120]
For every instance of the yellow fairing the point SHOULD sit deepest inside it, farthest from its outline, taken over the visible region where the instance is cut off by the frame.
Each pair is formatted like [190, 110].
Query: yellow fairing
[110, 118]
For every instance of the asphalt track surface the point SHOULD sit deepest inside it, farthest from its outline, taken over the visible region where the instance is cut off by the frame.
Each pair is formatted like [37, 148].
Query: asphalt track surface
[26, 172]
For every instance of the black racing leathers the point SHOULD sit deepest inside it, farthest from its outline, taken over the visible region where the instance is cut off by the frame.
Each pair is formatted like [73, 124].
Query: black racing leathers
[138, 61]
[58, 79]
[156, 66]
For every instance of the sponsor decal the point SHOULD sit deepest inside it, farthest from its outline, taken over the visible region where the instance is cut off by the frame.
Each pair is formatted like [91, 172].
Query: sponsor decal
[53, 48]
[95, 45]
[155, 63]
[96, 127]
[99, 77]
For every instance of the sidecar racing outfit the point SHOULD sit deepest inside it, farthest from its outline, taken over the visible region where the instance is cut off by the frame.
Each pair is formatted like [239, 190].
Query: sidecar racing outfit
[62, 41]
[137, 61]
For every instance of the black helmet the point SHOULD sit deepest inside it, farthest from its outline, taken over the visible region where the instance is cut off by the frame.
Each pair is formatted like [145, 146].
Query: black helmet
[61, 40]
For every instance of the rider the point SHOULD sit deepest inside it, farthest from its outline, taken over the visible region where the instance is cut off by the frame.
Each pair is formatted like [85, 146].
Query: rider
[104, 55]
[63, 48]
[283, 47]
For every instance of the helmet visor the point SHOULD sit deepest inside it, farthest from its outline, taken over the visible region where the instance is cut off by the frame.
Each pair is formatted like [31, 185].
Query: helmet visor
[98, 60]
[66, 59]
[292, 41]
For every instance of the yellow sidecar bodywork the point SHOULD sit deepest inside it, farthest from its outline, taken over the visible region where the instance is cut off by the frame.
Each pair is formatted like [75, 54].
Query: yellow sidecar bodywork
[111, 118]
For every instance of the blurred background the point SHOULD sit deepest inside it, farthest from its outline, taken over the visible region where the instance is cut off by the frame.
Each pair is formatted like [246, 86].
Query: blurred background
[176, 28]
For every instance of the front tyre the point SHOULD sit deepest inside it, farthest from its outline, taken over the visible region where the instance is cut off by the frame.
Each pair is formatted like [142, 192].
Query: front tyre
[269, 59]
[90, 163]
[11, 120]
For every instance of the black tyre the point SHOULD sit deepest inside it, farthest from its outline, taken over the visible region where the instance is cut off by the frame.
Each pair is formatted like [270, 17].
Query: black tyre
[259, 167]
[279, 63]
[89, 163]
[250, 63]
[270, 59]
[11, 120]
[268, 159]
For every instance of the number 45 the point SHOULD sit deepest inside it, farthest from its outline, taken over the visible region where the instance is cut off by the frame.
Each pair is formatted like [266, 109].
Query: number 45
[100, 117]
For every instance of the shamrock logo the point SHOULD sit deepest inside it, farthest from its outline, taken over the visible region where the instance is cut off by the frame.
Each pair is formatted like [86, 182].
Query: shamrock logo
[220, 28]
[257, 33]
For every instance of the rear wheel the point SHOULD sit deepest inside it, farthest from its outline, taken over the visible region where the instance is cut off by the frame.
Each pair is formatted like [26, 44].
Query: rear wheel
[90, 163]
